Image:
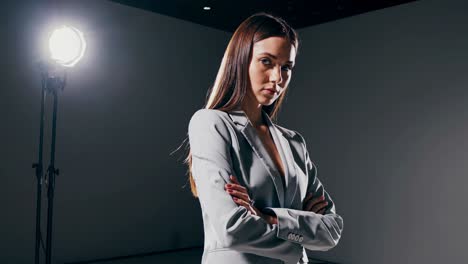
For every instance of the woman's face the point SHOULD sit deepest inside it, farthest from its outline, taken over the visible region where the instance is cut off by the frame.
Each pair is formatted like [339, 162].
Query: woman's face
[270, 70]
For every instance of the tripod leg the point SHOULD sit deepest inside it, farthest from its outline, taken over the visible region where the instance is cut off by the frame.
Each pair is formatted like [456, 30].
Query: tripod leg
[51, 182]
[39, 174]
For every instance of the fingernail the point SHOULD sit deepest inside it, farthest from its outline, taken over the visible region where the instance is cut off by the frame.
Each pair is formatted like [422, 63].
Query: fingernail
[228, 185]
[230, 191]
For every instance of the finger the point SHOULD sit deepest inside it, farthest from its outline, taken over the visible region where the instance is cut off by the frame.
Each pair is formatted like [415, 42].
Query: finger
[238, 194]
[309, 205]
[308, 196]
[319, 198]
[305, 202]
[248, 206]
[234, 179]
[315, 201]
[321, 211]
[316, 198]
[311, 202]
[319, 206]
[244, 204]
[237, 187]
[241, 202]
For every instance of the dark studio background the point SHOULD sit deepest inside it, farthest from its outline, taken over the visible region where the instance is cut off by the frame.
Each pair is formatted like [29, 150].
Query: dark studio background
[380, 97]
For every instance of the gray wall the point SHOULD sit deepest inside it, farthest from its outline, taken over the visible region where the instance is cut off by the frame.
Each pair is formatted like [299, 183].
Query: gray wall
[380, 98]
[125, 109]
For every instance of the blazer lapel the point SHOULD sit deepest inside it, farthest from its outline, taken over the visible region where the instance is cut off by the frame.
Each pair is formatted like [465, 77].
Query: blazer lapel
[250, 134]
[284, 148]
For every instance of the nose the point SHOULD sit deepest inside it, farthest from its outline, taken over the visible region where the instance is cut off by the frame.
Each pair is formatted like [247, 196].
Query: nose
[275, 75]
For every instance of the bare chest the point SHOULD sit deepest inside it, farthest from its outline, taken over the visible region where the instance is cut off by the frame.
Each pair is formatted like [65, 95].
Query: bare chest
[270, 146]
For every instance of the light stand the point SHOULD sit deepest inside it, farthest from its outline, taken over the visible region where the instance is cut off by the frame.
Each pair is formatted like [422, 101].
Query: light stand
[51, 84]
[39, 171]
[67, 46]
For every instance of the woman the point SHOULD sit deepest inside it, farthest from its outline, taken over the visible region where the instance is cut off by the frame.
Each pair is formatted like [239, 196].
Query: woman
[260, 198]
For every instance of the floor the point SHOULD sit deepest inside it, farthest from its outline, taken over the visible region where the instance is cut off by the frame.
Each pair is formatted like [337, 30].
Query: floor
[187, 256]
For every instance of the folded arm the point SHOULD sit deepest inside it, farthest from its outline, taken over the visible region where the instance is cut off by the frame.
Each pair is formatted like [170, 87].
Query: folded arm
[309, 229]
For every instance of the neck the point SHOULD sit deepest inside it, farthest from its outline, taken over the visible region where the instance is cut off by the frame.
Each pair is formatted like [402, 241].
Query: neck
[254, 113]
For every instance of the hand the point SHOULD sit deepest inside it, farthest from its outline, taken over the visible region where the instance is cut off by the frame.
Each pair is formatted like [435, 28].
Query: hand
[316, 205]
[241, 197]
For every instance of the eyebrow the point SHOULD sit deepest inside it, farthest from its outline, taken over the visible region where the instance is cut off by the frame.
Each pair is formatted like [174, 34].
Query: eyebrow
[273, 56]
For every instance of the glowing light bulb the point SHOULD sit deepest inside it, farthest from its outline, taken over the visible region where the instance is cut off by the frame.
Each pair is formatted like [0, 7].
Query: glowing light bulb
[67, 45]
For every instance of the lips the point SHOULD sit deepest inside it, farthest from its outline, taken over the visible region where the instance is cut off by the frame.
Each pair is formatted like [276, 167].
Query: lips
[271, 90]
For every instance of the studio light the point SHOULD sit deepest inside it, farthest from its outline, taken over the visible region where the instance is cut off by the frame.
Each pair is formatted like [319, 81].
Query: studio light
[67, 46]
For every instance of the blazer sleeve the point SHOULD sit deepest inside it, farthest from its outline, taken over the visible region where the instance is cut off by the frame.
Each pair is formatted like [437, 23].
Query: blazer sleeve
[234, 226]
[313, 231]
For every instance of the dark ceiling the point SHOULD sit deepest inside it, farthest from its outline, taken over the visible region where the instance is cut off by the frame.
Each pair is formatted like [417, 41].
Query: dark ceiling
[227, 15]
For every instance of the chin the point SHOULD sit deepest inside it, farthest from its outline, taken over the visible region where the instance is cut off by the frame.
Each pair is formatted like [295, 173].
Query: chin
[267, 102]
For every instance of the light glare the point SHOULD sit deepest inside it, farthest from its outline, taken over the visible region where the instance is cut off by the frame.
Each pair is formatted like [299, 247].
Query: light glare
[67, 46]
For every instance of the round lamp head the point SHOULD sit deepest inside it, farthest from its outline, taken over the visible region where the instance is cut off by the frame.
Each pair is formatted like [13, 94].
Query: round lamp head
[67, 46]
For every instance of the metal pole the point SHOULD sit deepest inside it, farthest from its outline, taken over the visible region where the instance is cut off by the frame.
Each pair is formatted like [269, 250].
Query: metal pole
[52, 172]
[39, 173]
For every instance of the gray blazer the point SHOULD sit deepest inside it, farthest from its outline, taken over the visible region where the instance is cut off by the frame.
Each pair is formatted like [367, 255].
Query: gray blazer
[226, 143]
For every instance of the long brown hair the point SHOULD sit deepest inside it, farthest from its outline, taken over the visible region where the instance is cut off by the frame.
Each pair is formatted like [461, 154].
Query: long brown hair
[232, 80]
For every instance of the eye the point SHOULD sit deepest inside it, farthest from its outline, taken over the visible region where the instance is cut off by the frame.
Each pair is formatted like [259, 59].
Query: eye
[287, 67]
[265, 61]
